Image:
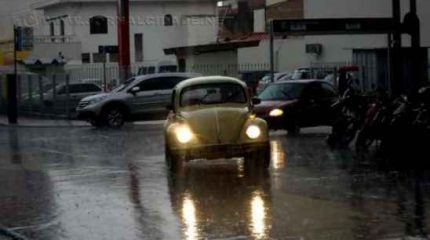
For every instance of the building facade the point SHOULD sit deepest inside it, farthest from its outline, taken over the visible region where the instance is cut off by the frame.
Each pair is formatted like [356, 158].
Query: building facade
[85, 31]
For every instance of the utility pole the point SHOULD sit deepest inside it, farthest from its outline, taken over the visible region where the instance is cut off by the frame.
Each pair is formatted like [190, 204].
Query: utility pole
[12, 105]
[411, 25]
[123, 24]
[414, 24]
[271, 51]
[396, 52]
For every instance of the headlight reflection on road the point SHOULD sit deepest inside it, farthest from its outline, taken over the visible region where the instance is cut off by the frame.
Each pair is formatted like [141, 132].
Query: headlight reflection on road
[189, 218]
[258, 216]
[278, 155]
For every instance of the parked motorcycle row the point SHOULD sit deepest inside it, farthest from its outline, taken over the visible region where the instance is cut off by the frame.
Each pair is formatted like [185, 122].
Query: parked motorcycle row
[397, 126]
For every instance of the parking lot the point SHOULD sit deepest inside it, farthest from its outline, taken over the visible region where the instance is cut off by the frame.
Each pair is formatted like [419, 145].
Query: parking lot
[83, 183]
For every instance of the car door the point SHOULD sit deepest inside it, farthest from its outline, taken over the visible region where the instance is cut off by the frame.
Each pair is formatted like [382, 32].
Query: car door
[310, 104]
[144, 101]
[164, 93]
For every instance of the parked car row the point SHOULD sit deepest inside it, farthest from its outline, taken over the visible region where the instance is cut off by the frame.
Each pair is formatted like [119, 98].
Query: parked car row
[285, 104]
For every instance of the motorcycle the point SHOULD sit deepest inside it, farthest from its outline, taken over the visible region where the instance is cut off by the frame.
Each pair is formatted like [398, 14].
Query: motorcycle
[374, 126]
[350, 111]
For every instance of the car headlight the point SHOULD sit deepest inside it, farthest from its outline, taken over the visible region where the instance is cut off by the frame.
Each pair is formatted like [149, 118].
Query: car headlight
[183, 134]
[276, 112]
[97, 100]
[253, 132]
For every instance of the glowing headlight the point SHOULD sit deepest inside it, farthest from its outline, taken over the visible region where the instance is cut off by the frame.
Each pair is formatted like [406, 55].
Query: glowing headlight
[183, 134]
[276, 113]
[253, 132]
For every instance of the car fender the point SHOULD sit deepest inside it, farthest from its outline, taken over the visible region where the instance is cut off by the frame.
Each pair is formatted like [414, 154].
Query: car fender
[262, 124]
[116, 102]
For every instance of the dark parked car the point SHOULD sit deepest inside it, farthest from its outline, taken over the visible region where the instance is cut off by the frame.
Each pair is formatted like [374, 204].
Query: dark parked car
[294, 104]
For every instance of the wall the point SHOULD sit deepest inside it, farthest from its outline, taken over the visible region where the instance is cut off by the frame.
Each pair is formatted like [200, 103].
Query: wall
[70, 50]
[289, 54]
[338, 48]
[146, 18]
[217, 63]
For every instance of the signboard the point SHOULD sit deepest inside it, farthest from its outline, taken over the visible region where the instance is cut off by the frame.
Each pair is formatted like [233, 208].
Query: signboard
[7, 56]
[24, 38]
[333, 26]
[314, 48]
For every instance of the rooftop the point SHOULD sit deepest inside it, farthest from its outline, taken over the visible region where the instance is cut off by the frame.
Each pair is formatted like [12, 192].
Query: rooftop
[209, 79]
[48, 3]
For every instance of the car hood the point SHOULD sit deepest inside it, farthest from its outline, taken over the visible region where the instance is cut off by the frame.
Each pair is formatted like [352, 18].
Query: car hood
[266, 106]
[89, 98]
[217, 125]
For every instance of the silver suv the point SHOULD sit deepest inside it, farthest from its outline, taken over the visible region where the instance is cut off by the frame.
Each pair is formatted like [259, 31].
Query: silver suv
[139, 97]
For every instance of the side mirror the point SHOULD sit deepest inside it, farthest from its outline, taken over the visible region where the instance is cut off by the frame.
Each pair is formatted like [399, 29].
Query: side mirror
[256, 101]
[134, 90]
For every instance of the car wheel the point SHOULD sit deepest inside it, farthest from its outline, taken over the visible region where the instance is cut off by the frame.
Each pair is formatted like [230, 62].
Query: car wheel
[174, 163]
[114, 117]
[258, 160]
[364, 140]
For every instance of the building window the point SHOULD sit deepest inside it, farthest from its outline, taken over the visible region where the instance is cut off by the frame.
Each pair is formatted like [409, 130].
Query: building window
[86, 58]
[62, 30]
[138, 47]
[98, 25]
[52, 31]
[168, 20]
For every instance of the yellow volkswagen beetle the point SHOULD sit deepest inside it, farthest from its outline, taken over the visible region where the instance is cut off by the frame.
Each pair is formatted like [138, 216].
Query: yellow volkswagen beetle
[212, 118]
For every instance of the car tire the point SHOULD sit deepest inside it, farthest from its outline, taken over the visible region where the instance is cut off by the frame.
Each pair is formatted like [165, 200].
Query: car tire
[364, 140]
[258, 160]
[113, 117]
[174, 163]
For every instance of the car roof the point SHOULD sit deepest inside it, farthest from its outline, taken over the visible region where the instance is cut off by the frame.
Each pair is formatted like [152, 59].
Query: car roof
[167, 74]
[209, 79]
[300, 81]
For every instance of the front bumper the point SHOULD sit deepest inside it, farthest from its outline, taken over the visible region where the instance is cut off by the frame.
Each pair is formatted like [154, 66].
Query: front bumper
[220, 151]
[87, 111]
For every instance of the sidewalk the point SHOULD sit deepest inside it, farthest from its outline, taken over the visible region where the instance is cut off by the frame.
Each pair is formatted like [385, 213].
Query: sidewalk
[48, 123]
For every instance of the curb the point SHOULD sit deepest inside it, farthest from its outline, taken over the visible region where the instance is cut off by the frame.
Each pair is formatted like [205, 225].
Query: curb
[137, 124]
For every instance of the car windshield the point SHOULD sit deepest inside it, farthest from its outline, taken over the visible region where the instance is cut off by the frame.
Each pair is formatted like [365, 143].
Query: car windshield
[216, 93]
[123, 86]
[282, 91]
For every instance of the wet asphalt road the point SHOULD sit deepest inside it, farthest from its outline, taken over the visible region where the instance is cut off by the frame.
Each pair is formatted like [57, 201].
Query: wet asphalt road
[82, 183]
